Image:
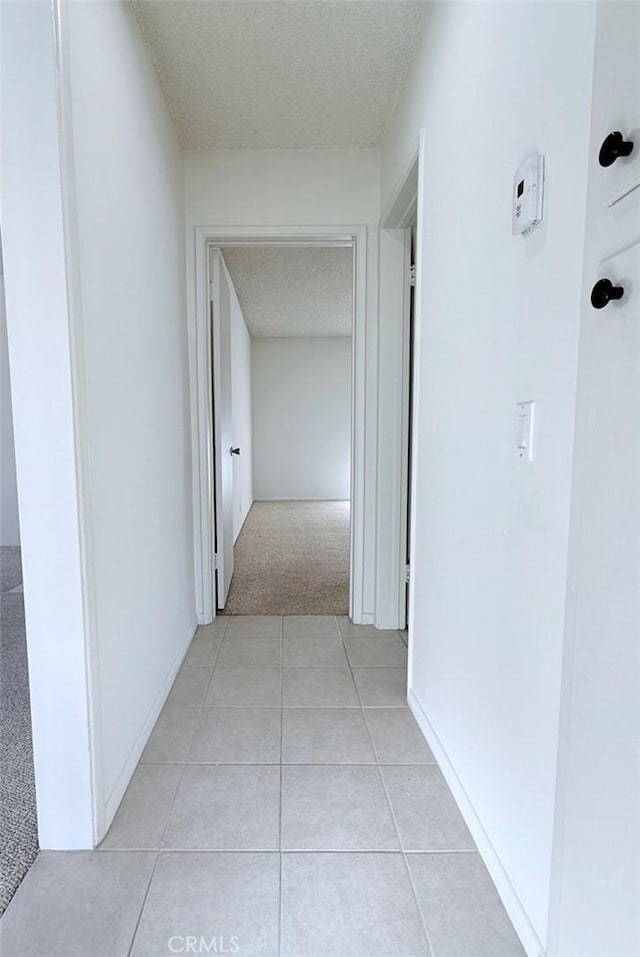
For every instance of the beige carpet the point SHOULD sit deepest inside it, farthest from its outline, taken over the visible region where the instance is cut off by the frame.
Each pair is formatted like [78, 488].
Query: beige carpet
[292, 558]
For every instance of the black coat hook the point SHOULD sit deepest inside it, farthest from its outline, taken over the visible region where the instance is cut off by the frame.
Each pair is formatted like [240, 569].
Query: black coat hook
[613, 147]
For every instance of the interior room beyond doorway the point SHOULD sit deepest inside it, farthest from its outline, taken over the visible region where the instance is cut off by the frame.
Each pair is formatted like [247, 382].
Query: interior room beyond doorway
[291, 314]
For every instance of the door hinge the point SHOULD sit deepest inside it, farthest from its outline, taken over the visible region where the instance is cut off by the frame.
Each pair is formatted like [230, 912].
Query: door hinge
[216, 562]
[412, 275]
[407, 573]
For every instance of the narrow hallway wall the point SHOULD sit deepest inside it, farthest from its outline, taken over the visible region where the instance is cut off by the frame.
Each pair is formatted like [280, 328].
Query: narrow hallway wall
[129, 201]
[499, 322]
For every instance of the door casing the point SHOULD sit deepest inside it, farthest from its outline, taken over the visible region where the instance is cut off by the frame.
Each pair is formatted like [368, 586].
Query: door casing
[205, 237]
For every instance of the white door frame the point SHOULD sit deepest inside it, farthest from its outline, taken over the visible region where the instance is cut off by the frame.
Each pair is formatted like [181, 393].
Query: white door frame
[393, 521]
[201, 399]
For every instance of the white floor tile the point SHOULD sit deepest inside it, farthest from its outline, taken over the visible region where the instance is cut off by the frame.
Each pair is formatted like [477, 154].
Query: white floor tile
[397, 739]
[228, 901]
[229, 807]
[335, 808]
[250, 653]
[313, 653]
[318, 688]
[325, 736]
[144, 811]
[427, 816]
[381, 687]
[349, 905]
[237, 736]
[461, 907]
[76, 904]
[245, 687]
[254, 626]
[310, 626]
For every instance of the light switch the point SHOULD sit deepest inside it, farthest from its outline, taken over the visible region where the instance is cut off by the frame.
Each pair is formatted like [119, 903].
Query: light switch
[525, 420]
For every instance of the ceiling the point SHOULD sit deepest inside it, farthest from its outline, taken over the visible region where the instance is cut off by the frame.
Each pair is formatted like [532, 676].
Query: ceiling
[293, 291]
[300, 74]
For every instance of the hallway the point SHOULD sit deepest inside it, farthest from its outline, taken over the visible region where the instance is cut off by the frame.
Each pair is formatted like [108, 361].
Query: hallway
[292, 558]
[286, 803]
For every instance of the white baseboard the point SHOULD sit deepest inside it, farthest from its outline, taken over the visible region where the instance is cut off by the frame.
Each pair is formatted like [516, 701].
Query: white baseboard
[112, 802]
[513, 905]
[306, 499]
[245, 517]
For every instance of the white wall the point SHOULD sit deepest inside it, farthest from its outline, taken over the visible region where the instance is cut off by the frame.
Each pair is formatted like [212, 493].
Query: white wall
[9, 524]
[241, 412]
[300, 188]
[499, 322]
[43, 412]
[302, 418]
[129, 199]
[595, 906]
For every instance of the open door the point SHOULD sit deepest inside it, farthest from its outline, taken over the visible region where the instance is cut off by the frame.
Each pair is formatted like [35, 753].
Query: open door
[220, 318]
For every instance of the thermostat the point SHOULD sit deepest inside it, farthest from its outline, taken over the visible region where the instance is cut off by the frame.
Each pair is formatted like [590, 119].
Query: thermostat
[528, 190]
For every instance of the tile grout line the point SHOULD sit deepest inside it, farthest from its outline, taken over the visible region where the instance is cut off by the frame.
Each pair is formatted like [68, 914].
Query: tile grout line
[404, 855]
[393, 818]
[143, 904]
[182, 766]
[271, 850]
[185, 762]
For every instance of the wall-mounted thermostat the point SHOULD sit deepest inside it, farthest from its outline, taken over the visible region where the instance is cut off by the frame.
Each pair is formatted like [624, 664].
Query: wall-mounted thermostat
[528, 191]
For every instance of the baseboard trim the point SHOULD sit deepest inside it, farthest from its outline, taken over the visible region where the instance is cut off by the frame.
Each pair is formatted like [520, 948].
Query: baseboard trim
[298, 499]
[112, 802]
[246, 516]
[513, 905]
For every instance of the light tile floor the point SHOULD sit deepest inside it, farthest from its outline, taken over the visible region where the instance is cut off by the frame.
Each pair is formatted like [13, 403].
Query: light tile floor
[286, 804]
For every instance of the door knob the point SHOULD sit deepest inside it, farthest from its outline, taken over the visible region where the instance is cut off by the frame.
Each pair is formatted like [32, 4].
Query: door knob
[233, 451]
[603, 292]
[613, 147]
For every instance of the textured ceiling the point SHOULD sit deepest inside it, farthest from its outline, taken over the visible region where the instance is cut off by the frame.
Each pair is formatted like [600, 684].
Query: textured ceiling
[293, 291]
[299, 74]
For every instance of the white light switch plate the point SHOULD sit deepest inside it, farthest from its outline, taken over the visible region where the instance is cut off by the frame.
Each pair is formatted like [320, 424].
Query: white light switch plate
[525, 426]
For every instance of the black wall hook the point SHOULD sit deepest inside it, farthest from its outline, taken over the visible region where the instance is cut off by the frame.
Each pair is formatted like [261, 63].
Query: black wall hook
[603, 292]
[613, 147]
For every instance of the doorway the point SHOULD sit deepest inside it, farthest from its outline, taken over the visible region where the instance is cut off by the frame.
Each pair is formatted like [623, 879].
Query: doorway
[299, 549]
[281, 336]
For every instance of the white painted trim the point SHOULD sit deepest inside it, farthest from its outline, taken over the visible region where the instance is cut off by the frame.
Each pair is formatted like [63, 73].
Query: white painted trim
[402, 204]
[513, 905]
[202, 412]
[393, 406]
[81, 430]
[314, 498]
[404, 440]
[417, 334]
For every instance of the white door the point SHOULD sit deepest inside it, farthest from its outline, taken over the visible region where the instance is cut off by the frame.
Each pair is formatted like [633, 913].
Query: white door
[222, 434]
[598, 909]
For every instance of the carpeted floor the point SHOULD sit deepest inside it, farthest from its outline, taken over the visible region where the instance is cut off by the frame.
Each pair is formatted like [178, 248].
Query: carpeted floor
[18, 822]
[292, 558]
